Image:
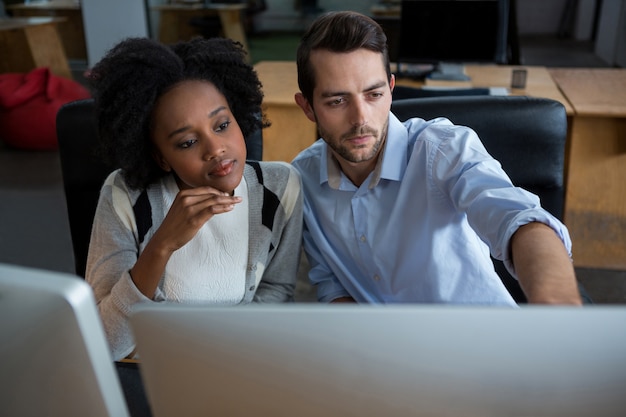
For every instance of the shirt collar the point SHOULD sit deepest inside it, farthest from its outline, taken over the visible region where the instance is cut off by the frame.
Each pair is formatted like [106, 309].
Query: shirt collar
[391, 163]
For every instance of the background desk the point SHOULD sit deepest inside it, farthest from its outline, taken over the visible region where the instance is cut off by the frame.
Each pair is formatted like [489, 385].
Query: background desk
[291, 131]
[29, 43]
[595, 205]
[174, 24]
[72, 32]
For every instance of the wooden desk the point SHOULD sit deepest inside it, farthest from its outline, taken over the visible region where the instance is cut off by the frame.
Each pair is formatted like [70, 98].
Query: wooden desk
[29, 43]
[291, 131]
[386, 10]
[595, 205]
[539, 82]
[72, 32]
[174, 24]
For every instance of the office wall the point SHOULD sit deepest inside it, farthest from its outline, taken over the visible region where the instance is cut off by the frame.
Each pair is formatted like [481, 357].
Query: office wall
[548, 17]
[611, 38]
[108, 22]
[154, 17]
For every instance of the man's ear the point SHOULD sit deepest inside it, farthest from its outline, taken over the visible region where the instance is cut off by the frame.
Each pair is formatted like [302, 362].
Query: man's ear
[305, 106]
[161, 162]
[392, 82]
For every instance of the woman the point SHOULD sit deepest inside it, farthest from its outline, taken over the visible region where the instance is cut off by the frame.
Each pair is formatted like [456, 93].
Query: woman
[186, 218]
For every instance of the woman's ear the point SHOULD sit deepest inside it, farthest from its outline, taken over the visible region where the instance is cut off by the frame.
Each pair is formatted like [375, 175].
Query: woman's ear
[161, 162]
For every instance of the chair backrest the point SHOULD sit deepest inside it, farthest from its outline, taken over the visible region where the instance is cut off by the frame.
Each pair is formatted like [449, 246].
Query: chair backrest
[83, 172]
[401, 92]
[527, 135]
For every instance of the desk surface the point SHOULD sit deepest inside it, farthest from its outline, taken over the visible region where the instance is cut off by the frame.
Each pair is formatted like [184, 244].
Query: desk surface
[595, 204]
[174, 22]
[593, 91]
[47, 5]
[386, 10]
[31, 42]
[23, 22]
[210, 6]
[280, 81]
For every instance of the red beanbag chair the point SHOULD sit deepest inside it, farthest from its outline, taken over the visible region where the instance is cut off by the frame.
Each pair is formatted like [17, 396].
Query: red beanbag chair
[29, 104]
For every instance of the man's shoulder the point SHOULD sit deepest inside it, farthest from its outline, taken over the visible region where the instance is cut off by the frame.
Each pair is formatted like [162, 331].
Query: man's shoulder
[437, 131]
[314, 151]
[417, 125]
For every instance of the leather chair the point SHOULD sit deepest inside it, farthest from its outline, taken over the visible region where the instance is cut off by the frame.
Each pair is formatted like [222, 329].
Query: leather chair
[401, 92]
[527, 135]
[83, 172]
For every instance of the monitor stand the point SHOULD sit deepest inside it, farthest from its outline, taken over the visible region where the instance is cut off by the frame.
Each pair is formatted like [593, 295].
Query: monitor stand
[449, 72]
[414, 70]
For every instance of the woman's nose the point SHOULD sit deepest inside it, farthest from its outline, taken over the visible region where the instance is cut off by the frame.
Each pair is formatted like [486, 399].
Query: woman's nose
[212, 148]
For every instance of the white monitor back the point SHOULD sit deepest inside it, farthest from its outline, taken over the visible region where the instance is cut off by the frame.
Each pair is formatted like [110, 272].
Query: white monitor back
[55, 360]
[327, 360]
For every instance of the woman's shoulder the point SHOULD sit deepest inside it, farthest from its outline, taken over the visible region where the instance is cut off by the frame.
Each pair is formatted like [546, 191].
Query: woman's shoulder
[117, 186]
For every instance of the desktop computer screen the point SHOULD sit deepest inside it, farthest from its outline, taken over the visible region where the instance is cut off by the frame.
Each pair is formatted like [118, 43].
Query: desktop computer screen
[437, 32]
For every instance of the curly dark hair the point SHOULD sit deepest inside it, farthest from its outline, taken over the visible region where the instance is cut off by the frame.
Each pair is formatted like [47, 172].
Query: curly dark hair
[131, 77]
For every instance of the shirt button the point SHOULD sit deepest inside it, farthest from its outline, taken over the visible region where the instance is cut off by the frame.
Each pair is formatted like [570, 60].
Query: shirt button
[252, 288]
[376, 278]
[363, 239]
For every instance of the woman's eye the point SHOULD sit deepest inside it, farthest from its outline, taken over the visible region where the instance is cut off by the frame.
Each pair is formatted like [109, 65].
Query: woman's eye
[223, 126]
[187, 144]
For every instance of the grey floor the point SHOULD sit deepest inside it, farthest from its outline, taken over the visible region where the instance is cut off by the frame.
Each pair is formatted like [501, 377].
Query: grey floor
[34, 229]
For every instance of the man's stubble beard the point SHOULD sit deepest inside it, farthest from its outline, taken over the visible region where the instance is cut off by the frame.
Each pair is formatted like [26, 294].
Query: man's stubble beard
[346, 152]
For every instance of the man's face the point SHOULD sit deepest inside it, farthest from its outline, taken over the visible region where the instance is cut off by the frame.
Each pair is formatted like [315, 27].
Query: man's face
[351, 103]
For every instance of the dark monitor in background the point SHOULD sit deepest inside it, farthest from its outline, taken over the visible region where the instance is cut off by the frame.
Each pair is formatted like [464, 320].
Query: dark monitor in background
[437, 35]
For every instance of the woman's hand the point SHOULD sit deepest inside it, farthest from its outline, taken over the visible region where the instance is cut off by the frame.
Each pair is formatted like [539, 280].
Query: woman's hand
[191, 209]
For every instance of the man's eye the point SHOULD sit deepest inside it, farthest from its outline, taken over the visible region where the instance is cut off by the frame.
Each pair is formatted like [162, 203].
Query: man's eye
[337, 101]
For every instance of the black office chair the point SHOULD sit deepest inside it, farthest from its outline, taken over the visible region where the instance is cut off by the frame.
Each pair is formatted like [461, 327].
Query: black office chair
[527, 135]
[401, 92]
[83, 172]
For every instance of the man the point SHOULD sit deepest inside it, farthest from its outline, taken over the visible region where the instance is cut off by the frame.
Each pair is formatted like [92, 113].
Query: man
[409, 212]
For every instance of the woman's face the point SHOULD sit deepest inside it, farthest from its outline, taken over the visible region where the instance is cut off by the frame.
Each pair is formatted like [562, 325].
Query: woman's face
[197, 137]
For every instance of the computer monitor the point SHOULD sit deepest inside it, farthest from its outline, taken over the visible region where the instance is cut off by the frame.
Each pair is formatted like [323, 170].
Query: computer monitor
[314, 359]
[54, 357]
[440, 34]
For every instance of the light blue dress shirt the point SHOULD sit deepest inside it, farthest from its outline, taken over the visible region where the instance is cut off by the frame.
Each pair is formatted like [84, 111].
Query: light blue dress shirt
[421, 227]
